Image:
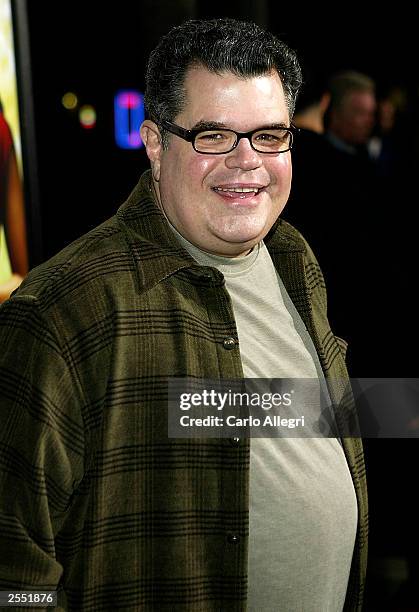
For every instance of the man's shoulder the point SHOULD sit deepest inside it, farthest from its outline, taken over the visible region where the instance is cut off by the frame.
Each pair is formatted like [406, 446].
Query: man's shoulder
[285, 236]
[288, 230]
[79, 267]
[287, 239]
[99, 259]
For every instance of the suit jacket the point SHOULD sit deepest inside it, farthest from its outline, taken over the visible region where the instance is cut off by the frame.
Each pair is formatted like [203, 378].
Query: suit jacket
[96, 499]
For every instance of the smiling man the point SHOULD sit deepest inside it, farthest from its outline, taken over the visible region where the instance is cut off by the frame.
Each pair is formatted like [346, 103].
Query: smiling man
[224, 201]
[196, 276]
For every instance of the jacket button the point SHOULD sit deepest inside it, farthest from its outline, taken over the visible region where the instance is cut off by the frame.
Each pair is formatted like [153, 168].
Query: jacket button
[234, 441]
[206, 276]
[229, 343]
[232, 538]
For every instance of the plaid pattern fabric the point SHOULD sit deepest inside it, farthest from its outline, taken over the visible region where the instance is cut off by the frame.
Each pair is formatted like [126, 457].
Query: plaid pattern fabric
[95, 499]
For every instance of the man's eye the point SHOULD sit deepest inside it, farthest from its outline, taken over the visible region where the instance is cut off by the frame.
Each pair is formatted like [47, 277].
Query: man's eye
[270, 137]
[211, 136]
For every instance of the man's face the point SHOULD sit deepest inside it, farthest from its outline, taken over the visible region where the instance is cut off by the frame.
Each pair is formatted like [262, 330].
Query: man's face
[355, 119]
[226, 222]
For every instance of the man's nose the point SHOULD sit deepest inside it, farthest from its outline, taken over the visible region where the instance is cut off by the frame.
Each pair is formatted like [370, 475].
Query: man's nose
[244, 156]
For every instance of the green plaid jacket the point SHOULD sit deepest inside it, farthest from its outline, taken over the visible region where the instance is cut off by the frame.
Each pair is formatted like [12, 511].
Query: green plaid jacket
[95, 499]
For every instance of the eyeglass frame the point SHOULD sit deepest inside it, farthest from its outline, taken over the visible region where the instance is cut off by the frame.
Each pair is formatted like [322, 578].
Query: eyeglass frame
[190, 135]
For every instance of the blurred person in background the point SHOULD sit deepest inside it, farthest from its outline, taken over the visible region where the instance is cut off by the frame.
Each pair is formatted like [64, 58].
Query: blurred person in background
[333, 202]
[311, 106]
[351, 111]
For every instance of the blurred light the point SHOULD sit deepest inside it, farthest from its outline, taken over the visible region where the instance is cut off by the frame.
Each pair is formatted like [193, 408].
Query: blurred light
[87, 116]
[69, 100]
[129, 115]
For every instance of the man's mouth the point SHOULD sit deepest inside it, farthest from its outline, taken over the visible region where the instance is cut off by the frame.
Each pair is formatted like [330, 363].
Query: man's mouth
[239, 191]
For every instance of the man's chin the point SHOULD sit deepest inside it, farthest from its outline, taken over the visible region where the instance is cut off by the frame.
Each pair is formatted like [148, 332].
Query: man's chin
[242, 231]
[238, 247]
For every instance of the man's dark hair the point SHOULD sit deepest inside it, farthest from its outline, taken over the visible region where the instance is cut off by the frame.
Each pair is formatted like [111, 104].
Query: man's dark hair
[220, 45]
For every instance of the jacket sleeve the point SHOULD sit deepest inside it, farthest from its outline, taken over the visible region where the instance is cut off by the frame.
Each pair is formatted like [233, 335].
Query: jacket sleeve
[41, 445]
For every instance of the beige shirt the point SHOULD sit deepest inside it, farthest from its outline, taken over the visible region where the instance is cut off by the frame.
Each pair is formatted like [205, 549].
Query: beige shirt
[303, 509]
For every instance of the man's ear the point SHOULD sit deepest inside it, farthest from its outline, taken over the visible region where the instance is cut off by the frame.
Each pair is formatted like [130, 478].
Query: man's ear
[150, 135]
[324, 102]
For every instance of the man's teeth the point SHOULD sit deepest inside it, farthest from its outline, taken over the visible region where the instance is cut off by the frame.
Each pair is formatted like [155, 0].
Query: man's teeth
[239, 189]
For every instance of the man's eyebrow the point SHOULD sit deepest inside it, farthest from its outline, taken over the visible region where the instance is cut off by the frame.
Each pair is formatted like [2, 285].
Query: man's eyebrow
[217, 125]
[275, 126]
[209, 125]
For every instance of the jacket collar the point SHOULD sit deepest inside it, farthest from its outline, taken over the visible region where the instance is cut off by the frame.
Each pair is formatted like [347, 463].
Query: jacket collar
[154, 248]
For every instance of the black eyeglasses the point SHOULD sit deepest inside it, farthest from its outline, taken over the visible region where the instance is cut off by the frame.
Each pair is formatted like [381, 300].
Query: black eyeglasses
[219, 140]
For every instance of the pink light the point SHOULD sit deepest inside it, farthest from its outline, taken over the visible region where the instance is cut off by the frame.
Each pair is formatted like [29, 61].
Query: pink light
[130, 100]
[134, 139]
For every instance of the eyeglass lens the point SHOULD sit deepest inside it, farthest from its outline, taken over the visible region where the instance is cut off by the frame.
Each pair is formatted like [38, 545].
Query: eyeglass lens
[222, 141]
